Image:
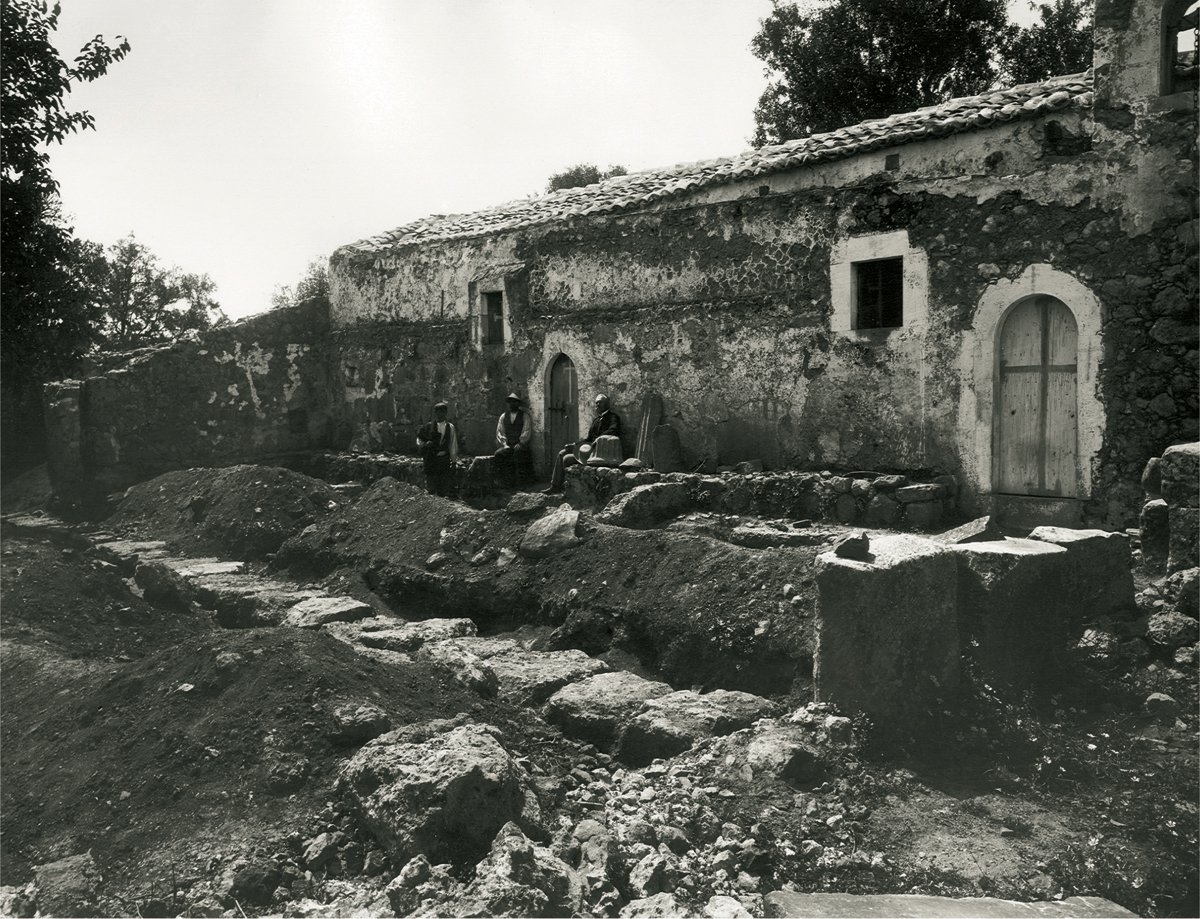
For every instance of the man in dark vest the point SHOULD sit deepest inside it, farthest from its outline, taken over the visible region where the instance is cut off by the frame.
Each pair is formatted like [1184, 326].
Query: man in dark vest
[607, 422]
[437, 442]
[514, 456]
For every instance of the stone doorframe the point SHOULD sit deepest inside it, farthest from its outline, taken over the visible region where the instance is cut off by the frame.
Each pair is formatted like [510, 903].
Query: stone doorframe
[978, 360]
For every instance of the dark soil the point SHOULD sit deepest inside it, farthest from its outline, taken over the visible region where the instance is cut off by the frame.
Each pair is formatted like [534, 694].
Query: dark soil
[698, 611]
[159, 741]
[242, 512]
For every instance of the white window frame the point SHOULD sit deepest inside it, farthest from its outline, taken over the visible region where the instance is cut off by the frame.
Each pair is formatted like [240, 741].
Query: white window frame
[872, 247]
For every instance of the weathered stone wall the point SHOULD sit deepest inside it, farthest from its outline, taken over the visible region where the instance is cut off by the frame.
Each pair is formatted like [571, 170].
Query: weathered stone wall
[234, 394]
[723, 306]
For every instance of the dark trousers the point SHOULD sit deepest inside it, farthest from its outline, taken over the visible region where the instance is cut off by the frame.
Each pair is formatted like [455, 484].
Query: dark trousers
[513, 465]
[439, 476]
[566, 457]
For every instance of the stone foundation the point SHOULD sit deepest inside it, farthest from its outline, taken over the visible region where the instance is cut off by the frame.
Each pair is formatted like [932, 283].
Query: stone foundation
[867, 499]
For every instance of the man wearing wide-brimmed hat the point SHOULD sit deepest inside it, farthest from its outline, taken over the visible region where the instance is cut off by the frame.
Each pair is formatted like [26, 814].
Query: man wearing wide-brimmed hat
[437, 441]
[514, 456]
[607, 423]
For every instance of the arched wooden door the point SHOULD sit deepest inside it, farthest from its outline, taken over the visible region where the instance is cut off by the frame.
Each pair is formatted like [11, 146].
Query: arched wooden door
[1036, 434]
[562, 406]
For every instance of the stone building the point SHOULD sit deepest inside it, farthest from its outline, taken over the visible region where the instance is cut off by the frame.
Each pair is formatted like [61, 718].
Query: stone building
[1002, 288]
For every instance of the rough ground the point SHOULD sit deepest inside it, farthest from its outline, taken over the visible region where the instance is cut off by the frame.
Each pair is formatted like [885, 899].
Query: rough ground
[200, 765]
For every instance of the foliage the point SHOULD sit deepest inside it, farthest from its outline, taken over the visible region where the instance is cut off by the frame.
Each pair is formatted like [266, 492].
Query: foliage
[582, 174]
[848, 60]
[1060, 43]
[144, 304]
[832, 63]
[314, 285]
[47, 274]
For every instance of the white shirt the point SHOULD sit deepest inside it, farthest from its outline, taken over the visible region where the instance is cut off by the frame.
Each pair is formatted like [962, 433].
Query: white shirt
[526, 429]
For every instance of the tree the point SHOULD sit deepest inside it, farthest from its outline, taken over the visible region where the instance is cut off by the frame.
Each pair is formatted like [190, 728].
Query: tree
[1060, 43]
[843, 61]
[46, 273]
[583, 174]
[314, 285]
[144, 304]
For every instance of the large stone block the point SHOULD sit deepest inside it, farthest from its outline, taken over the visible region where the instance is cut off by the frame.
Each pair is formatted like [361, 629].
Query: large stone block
[1183, 547]
[1100, 576]
[445, 797]
[842, 905]
[1155, 531]
[596, 708]
[647, 505]
[1015, 608]
[887, 637]
[1179, 471]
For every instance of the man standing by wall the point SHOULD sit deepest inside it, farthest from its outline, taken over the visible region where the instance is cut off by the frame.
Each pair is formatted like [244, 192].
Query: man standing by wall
[514, 457]
[606, 423]
[437, 442]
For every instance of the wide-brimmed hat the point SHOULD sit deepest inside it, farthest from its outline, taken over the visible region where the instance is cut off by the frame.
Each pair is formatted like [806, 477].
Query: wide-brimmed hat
[513, 397]
[438, 405]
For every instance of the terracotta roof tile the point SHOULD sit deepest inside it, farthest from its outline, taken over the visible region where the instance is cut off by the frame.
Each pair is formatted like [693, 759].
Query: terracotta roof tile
[641, 188]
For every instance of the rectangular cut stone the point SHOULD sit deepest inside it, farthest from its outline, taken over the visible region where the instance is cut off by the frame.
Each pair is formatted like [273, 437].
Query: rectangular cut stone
[919, 906]
[1014, 608]
[1180, 471]
[1183, 539]
[317, 611]
[910, 493]
[887, 636]
[1100, 573]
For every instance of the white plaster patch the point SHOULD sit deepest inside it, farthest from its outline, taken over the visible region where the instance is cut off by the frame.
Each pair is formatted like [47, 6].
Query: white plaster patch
[294, 380]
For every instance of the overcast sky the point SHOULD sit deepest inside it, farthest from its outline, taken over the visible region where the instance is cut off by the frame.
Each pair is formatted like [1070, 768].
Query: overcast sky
[243, 138]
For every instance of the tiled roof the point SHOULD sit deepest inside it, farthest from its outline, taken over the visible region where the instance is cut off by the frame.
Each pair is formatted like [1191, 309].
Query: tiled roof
[642, 188]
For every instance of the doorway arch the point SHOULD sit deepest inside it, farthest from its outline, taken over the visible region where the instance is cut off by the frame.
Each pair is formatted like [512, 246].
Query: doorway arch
[562, 404]
[979, 364]
[1034, 431]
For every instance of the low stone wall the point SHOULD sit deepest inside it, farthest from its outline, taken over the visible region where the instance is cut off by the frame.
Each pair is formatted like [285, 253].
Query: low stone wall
[856, 499]
[235, 394]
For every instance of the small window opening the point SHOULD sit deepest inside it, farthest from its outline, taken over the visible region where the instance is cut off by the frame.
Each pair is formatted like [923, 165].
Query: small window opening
[493, 318]
[1179, 47]
[879, 294]
[891, 162]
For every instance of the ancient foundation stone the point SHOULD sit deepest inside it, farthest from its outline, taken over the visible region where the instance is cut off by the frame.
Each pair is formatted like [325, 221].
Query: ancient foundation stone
[646, 505]
[887, 641]
[1015, 608]
[1184, 547]
[1099, 576]
[670, 724]
[782, 903]
[596, 708]
[1155, 531]
[1179, 471]
[445, 798]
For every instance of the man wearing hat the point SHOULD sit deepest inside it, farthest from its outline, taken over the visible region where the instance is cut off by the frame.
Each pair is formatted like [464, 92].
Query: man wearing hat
[437, 442]
[514, 456]
[606, 423]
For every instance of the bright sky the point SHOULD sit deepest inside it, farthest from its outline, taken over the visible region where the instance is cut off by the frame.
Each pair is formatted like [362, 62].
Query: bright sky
[243, 138]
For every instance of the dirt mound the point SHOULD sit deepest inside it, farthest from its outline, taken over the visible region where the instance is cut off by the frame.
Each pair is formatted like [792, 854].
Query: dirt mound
[695, 609]
[28, 491]
[238, 511]
[147, 763]
[59, 599]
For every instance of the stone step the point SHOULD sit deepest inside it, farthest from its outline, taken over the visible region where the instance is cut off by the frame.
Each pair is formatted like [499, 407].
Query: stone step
[126, 553]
